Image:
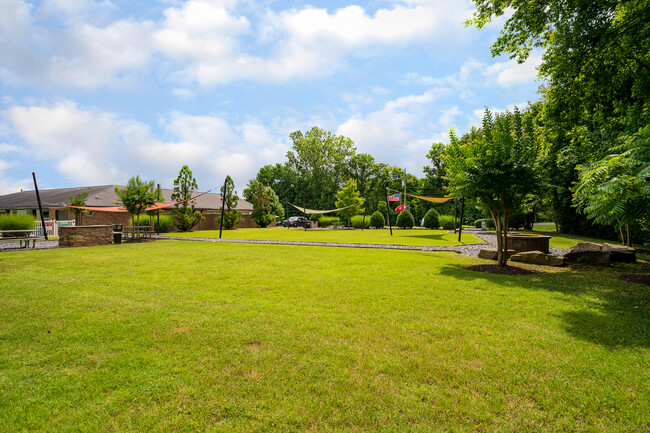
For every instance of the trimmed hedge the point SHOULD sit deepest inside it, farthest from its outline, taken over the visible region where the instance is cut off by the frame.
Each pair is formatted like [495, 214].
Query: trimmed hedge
[478, 223]
[447, 222]
[16, 222]
[489, 223]
[377, 220]
[431, 219]
[405, 220]
[357, 221]
[326, 221]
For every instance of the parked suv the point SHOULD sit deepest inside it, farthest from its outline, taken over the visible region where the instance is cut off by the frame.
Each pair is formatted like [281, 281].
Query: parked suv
[296, 221]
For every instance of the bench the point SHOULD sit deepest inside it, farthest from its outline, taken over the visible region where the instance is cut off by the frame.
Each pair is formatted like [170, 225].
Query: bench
[337, 225]
[22, 236]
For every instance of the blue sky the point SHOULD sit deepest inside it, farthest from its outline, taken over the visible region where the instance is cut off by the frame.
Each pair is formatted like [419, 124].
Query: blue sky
[95, 92]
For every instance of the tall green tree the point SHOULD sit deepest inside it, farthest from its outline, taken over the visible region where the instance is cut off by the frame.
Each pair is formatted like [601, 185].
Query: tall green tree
[317, 163]
[615, 190]
[596, 63]
[496, 166]
[136, 197]
[348, 198]
[185, 216]
[231, 216]
[258, 195]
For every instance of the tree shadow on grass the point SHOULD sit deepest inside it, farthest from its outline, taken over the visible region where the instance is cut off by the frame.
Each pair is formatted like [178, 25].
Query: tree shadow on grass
[616, 313]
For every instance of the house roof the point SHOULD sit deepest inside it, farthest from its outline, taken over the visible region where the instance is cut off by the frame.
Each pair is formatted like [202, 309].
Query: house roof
[98, 196]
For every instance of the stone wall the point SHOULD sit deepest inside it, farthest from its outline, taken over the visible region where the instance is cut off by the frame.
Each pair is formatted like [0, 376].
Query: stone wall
[85, 236]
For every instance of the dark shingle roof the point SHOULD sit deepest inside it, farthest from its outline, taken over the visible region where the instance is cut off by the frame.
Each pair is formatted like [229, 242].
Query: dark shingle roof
[98, 196]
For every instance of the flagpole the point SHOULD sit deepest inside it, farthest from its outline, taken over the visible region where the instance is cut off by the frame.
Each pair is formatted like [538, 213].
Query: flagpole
[388, 213]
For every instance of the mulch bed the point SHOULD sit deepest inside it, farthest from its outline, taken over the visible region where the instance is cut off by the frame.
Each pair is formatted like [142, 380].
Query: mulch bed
[637, 278]
[501, 270]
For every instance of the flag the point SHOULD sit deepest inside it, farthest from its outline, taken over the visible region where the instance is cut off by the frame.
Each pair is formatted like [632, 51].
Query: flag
[394, 197]
[402, 207]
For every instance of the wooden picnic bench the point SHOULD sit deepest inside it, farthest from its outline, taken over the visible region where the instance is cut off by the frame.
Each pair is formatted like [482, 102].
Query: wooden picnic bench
[22, 236]
[337, 225]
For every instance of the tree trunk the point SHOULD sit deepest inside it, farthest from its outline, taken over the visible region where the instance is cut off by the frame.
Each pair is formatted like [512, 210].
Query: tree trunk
[503, 259]
[629, 235]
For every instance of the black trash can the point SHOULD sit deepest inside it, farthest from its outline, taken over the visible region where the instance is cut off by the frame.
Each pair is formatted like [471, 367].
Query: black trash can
[117, 234]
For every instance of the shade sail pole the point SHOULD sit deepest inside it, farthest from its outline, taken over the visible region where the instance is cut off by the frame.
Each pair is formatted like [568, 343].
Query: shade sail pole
[223, 205]
[40, 207]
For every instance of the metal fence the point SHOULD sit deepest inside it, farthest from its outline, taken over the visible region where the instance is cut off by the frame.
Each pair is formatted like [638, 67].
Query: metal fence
[52, 226]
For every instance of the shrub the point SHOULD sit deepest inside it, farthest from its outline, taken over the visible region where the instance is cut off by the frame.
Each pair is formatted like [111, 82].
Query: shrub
[326, 221]
[447, 222]
[431, 219]
[166, 222]
[16, 222]
[479, 223]
[405, 220]
[489, 223]
[377, 220]
[357, 221]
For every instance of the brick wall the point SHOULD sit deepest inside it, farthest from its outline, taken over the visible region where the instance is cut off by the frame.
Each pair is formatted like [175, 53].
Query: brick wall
[85, 236]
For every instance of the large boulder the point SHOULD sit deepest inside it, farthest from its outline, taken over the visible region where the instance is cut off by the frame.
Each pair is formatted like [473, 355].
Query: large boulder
[620, 253]
[538, 258]
[492, 253]
[600, 254]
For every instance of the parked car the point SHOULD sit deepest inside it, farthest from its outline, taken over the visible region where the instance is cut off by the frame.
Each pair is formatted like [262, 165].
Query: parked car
[296, 221]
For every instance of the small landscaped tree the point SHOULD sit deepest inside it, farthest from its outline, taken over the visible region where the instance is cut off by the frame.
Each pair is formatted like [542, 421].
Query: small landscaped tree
[77, 200]
[377, 220]
[231, 216]
[348, 198]
[496, 166]
[136, 197]
[185, 216]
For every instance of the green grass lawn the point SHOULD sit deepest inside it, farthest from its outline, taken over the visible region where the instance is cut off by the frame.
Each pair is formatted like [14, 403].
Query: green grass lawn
[420, 237]
[179, 336]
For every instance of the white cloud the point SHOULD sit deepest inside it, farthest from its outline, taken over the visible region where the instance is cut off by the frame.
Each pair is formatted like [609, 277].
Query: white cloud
[89, 146]
[511, 73]
[401, 132]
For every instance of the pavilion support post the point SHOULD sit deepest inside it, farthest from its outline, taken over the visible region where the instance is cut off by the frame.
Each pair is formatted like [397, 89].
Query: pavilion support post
[158, 214]
[223, 205]
[40, 206]
[365, 207]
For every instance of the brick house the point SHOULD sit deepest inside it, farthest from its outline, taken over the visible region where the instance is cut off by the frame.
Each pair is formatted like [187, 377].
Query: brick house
[54, 202]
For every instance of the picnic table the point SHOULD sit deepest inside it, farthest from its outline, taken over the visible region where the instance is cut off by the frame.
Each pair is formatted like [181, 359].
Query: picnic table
[139, 231]
[22, 236]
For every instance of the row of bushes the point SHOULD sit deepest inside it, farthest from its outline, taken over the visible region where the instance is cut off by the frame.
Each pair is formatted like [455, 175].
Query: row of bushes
[404, 220]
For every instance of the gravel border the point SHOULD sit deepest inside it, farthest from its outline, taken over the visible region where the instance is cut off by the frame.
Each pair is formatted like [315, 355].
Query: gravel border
[471, 250]
[40, 245]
